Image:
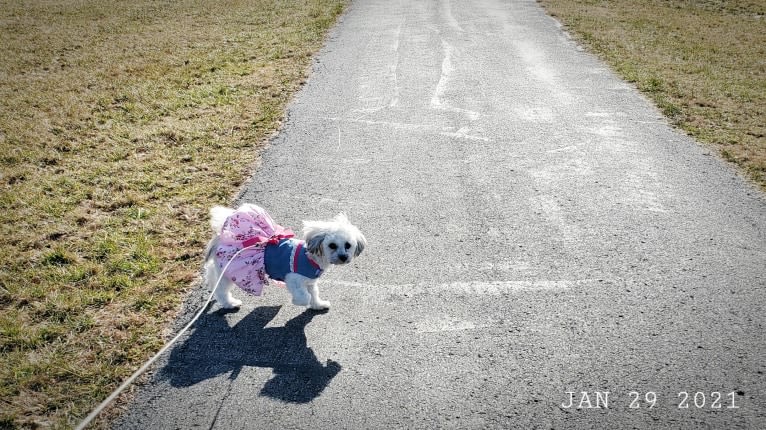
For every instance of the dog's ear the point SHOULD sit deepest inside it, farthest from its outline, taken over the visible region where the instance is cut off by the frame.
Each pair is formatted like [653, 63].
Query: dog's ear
[314, 235]
[361, 243]
[314, 244]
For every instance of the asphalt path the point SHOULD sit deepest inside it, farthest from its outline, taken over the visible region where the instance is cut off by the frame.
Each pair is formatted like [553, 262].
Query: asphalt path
[535, 227]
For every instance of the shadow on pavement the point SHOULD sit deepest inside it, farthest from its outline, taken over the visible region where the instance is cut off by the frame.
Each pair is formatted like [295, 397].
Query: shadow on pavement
[215, 348]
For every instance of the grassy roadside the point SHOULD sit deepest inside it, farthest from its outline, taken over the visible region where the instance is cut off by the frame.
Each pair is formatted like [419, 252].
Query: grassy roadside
[120, 124]
[703, 62]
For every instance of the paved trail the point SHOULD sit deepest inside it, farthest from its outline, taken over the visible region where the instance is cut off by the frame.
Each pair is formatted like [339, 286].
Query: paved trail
[535, 228]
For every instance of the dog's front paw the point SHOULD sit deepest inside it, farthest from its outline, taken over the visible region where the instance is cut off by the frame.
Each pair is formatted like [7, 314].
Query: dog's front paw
[320, 305]
[230, 303]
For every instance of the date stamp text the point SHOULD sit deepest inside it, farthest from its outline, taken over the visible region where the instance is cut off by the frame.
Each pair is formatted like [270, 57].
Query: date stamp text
[651, 399]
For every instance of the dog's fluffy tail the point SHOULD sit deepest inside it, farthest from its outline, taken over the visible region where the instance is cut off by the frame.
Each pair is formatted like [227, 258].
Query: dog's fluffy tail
[218, 216]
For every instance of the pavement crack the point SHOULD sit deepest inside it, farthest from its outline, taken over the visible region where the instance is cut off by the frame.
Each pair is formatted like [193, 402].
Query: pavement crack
[232, 377]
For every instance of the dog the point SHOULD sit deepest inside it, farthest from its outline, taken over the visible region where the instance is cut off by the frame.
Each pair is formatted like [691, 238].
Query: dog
[248, 249]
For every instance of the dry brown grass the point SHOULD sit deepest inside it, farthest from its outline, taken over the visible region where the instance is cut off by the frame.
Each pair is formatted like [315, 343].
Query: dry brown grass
[120, 124]
[703, 62]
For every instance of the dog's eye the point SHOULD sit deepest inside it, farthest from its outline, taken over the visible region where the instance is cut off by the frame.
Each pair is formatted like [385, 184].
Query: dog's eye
[348, 245]
[333, 246]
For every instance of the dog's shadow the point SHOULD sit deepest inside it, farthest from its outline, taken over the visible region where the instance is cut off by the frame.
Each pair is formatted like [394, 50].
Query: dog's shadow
[215, 348]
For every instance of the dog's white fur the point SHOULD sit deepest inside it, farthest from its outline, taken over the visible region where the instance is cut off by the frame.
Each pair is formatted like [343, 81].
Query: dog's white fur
[328, 242]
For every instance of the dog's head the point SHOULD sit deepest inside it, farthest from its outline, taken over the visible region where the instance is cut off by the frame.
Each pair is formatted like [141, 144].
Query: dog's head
[333, 242]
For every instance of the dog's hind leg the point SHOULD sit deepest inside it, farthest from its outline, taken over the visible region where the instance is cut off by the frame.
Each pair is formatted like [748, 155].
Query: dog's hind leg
[223, 289]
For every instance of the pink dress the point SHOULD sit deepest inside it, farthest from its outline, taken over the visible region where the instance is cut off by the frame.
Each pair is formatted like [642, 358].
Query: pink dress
[249, 226]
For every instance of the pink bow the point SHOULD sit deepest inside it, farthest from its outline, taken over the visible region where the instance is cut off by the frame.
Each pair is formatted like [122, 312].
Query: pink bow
[280, 233]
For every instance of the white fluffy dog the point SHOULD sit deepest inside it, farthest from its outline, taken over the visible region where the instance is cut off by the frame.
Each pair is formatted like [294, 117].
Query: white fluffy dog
[252, 249]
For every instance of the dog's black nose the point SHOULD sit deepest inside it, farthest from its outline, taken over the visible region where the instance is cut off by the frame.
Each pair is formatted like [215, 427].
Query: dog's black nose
[343, 258]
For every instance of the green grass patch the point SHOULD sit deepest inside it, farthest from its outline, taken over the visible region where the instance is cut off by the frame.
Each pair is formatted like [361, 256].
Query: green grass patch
[703, 62]
[121, 123]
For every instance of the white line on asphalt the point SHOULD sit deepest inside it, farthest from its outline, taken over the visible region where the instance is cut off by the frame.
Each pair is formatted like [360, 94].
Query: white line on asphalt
[493, 288]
